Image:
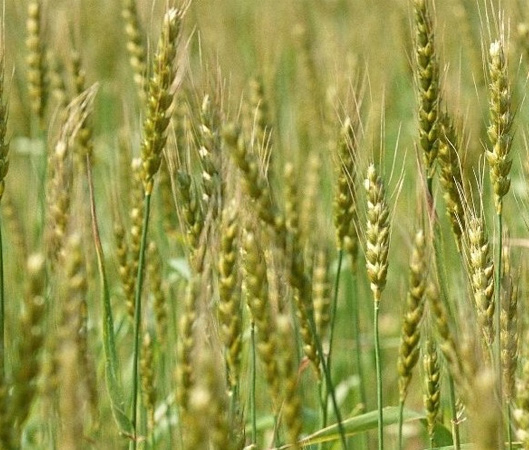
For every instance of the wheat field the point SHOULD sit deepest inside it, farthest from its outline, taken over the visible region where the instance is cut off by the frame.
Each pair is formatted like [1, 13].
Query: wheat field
[264, 225]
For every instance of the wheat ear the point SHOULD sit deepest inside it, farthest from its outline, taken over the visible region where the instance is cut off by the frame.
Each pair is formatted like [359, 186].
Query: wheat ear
[427, 79]
[377, 248]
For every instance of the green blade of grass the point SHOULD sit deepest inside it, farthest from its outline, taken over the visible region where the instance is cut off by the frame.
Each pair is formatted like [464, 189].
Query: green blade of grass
[113, 384]
[359, 424]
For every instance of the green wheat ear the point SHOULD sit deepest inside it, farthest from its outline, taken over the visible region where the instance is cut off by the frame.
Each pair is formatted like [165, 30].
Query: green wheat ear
[427, 79]
[501, 119]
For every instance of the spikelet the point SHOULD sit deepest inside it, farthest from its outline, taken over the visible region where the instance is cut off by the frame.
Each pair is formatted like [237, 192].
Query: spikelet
[85, 142]
[193, 217]
[255, 183]
[136, 226]
[28, 349]
[345, 208]
[185, 376]
[61, 181]
[156, 286]
[446, 341]
[450, 176]
[36, 61]
[481, 271]
[298, 279]
[13, 223]
[321, 293]
[377, 232]
[427, 79]
[128, 278]
[291, 201]
[509, 328]
[257, 126]
[311, 188]
[72, 381]
[432, 396]
[160, 98]
[292, 413]
[256, 283]
[135, 45]
[56, 76]
[208, 151]
[230, 313]
[410, 333]
[501, 119]
[148, 390]
[521, 409]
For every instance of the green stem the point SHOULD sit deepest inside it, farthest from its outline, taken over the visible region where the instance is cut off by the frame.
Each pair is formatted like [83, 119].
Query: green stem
[356, 331]
[137, 316]
[253, 414]
[509, 428]
[401, 421]
[331, 335]
[499, 270]
[379, 378]
[334, 305]
[2, 312]
[328, 379]
[323, 395]
[455, 423]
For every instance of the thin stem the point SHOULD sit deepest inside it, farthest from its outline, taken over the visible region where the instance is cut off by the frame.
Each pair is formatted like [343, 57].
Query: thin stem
[322, 394]
[379, 378]
[331, 335]
[401, 421]
[328, 380]
[137, 316]
[499, 270]
[455, 422]
[253, 414]
[509, 428]
[2, 311]
[356, 331]
[334, 305]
